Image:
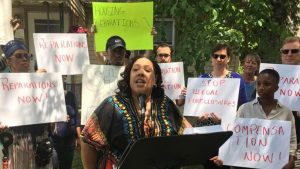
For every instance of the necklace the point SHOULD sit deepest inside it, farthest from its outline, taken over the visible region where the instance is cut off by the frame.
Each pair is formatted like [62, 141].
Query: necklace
[228, 75]
[137, 116]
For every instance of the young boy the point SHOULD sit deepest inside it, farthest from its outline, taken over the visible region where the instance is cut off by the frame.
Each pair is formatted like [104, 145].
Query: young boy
[267, 107]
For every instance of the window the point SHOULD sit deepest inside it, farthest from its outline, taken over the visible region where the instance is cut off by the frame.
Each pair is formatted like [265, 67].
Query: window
[166, 31]
[42, 25]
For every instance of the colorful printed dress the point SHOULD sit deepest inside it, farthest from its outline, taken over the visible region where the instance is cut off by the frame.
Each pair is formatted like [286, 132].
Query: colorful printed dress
[115, 124]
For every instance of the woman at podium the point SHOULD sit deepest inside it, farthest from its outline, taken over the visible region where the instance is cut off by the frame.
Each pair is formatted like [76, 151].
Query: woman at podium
[139, 109]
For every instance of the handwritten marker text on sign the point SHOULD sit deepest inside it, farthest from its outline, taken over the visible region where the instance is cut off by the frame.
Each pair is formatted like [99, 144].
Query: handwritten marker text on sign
[32, 99]
[64, 58]
[259, 142]
[109, 11]
[214, 82]
[289, 86]
[6, 85]
[171, 70]
[65, 53]
[62, 44]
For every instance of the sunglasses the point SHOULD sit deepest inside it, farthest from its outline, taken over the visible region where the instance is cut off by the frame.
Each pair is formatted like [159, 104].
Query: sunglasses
[286, 51]
[23, 55]
[163, 55]
[216, 56]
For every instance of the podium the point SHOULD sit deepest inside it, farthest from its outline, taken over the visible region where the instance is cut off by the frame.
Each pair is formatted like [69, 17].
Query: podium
[172, 151]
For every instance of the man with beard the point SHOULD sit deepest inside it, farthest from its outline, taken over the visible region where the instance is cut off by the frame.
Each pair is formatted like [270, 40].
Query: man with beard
[164, 55]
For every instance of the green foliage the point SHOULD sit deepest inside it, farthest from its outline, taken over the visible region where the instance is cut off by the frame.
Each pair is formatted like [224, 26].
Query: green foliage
[247, 25]
[77, 164]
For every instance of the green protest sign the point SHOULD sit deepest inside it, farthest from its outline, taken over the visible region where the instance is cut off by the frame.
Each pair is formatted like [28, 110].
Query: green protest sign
[131, 21]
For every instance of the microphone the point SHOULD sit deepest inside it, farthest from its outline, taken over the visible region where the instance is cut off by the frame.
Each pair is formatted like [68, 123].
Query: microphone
[142, 98]
[6, 139]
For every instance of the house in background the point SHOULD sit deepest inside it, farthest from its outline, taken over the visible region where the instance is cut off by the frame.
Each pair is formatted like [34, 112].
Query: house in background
[49, 16]
[56, 16]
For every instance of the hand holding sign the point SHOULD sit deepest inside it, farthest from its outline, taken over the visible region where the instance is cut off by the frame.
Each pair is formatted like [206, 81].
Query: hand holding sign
[204, 117]
[35, 98]
[289, 85]
[259, 143]
[217, 96]
[2, 127]
[215, 118]
[217, 161]
[153, 31]
[98, 82]
[173, 79]
[65, 53]
[182, 93]
[209, 118]
[15, 23]
[131, 21]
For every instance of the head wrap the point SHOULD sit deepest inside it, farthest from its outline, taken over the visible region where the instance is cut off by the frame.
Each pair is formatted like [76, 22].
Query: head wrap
[12, 46]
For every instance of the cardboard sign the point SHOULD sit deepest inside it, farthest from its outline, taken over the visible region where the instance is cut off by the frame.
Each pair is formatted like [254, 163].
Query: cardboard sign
[289, 86]
[257, 143]
[212, 95]
[65, 53]
[31, 98]
[98, 82]
[131, 21]
[6, 30]
[173, 78]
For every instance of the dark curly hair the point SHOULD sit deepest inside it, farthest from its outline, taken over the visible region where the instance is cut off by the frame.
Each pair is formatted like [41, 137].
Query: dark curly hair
[124, 84]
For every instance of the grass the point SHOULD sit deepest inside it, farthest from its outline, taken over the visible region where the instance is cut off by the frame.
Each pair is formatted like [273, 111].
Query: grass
[77, 161]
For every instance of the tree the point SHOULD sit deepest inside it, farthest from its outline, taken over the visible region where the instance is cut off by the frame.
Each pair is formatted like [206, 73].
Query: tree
[247, 25]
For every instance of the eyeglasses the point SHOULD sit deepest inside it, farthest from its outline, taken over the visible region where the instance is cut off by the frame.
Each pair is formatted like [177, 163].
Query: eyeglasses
[286, 51]
[163, 55]
[216, 56]
[23, 55]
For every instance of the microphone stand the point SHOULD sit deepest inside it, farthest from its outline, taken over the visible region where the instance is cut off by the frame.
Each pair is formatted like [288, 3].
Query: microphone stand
[142, 98]
[6, 140]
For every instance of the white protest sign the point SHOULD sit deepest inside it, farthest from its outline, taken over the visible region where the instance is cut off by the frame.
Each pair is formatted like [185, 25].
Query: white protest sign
[31, 98]
[257, 143]
[6, 30]
[173, 78]
[212, 95]
[289, 85]
[98, 82]
[65, 53]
